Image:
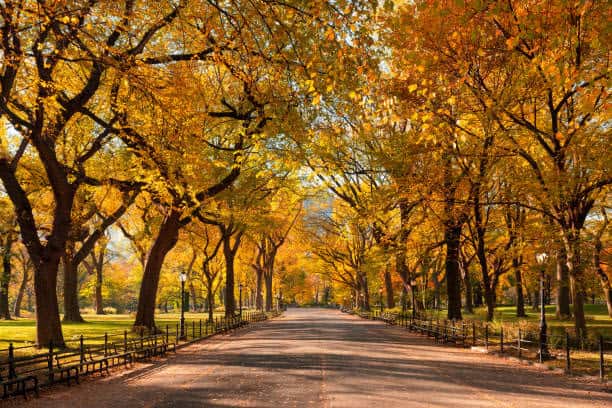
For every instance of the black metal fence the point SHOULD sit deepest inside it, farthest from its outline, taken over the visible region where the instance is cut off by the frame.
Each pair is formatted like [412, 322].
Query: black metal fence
[25, 368]
[590, 356]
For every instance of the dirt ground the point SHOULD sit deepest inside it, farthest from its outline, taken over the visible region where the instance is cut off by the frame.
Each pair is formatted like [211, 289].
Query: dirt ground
[323, 358]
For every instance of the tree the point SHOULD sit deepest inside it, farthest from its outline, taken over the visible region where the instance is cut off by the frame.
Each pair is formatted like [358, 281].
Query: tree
[42, 101]
[8, 238]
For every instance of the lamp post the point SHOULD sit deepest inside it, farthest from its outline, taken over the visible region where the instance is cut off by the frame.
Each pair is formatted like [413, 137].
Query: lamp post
[543, 354]
[240, 298]
[182, 278]
[412, 286]
[278, 302]
[380, 292]
[352, 301]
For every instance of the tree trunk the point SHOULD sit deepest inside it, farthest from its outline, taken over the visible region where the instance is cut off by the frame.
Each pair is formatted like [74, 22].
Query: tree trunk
[576, 283]
[469, 305]
[259, 290]
[603, 277]
[366, 293]
[192, 294]
[520, 300]
[535, 302]
[98, 293]
[5, 279]
[269, 294]
[21, 292]
[72, 312]
[389, 289]
[478, 295]
[452, 234]
[166, 239]
[98, 270]
[211, 304]
[230, 301]
[48, 325]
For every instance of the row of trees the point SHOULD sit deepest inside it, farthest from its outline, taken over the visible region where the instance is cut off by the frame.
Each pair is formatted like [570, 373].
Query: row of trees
[172, 107]
[485, 141]
[457, 139]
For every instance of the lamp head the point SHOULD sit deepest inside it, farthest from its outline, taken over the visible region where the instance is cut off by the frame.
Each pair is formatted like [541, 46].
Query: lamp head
[541, 258]
[183, 277]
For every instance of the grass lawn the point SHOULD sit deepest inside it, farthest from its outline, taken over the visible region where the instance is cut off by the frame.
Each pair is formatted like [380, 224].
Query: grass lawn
[23, 330]
[598, 321]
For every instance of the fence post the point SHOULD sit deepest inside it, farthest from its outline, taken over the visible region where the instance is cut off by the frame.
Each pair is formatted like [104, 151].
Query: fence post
[11, 362]
[167, 335]
[50, 362]
[177, 333]
[444, 328]
[473, 333]
[125, 341]
[142, 338]
[601, 358]
[81, 350]
[487, 336]
[105, 344]
[193, 329]
[200, 329]
[568, 362]
[518, 349]
[501, 341]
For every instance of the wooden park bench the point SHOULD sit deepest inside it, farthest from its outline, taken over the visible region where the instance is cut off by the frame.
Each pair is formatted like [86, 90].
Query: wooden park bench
[389, 318]
[15, 384]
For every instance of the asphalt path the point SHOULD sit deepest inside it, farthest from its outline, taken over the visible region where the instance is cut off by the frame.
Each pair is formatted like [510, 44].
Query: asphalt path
[323, 358]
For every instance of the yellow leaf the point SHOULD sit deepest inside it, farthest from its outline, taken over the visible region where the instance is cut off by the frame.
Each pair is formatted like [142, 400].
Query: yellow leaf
[317, 99]
[412, 88]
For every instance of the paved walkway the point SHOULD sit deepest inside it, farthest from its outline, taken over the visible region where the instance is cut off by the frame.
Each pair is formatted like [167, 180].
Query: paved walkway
[322, 358]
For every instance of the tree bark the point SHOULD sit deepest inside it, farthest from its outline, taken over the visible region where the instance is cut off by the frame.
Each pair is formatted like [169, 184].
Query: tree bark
[259, 290]
[270, 294]
[99, 267]
[166, 239]
[21, 292]
[365, 291]
[469, 304]
[452, 234]
[47, 309]
[5, 278]
[229, 253]
[72, 312]
[389, 289]
[563, 285]
[576, 282]
[520, 299]
[478, 295]
[603, 276]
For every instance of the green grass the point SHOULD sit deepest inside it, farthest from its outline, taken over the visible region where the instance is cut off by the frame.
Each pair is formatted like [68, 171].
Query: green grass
[598, 321]
[23, 330]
